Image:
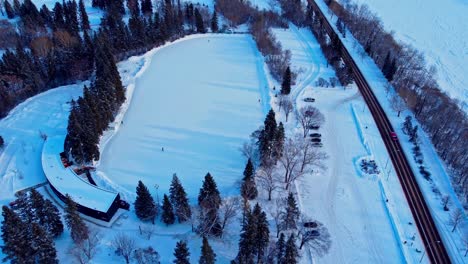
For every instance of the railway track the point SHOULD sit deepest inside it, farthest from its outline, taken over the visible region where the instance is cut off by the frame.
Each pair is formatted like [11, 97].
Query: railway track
[432, 241]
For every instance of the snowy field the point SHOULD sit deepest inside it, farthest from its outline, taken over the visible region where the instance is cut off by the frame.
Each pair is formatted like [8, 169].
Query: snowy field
[440, 180]
[199, 100]
[349, 203]
[437, 28]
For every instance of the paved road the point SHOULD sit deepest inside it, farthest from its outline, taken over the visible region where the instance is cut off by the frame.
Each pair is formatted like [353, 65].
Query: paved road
[433, 244]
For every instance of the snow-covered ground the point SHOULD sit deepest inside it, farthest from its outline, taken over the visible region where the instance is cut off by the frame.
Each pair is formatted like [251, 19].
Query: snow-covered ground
[199, 100]
[440, 179]
[437, 28]
[20, 159]
[363, 226]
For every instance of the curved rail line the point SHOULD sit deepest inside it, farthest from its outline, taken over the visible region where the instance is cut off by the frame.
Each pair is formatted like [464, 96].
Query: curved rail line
[433, 243]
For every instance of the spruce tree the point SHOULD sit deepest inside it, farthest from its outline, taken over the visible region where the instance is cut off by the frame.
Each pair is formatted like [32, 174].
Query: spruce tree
[179, 200]
[214, 22]
[16, 6]
[207, 254]
[291, 215]
[181, 253]
[279, 141]
[209, 201]
[146, 7]
[22, 206]
[199, 22]
[9, 10]
[44, 250]
[84, 17]
[78, 229]
[145, 208]
[262, 232]
[167, 211]
[291, 253]
[286, 84]
[247, 237]
[266, 138]
[280, 249]
[248, 187]
[16, 244]
[53, 224]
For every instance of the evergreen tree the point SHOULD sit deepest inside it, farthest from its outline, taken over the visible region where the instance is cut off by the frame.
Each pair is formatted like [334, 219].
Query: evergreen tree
[199, 22]
[22, 206]
[279, 141]
[179, 200]
[207, 254]
[16, 6]
[167, 211]
[280, 249]
[9, 9]
[58, 19]
[181, 253]
[291, 215]
[209, 201]
[84, 17]
[145, 208]
[54, 224]
[254, 237]
[146, 7]
[46, 15]
[267, 135]
[248, 187]
[44, 250]
[16, 244]
[214, 22]
[2, 142]
[79, 230]
[291, 253]
[286, 84]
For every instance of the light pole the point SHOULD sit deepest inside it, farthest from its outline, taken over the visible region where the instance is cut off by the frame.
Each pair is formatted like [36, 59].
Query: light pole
[430, 244]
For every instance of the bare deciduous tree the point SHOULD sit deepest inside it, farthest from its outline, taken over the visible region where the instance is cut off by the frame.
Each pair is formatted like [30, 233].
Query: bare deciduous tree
[290, 160]
[309, 117]
[268, 179]
[456, 218]
[147, 256]
[228, 211]
[445, 202]
[398, 104]
[83, 252]
[146, 231]
[315, 235]
[310, 155]
[277, 215]
[286, 104]
[124, 246]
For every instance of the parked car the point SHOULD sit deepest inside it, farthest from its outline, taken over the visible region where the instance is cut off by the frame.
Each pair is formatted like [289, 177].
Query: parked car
[317, 144]
[309, 99]
[393, 135]
[316, 135]
[314, 127]
[316, 140]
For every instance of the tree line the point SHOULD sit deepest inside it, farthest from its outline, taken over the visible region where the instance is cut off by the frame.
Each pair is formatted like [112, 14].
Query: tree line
[406, 70]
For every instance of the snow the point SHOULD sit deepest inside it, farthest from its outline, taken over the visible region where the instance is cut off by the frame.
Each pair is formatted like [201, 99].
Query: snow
[439, 29]
[20, 159]
[440, 183]
[200, 115]
[67, 182]
[363, 226]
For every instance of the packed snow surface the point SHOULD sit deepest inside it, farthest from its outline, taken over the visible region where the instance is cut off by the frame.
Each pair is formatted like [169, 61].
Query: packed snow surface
[437, 28]
[191, 110]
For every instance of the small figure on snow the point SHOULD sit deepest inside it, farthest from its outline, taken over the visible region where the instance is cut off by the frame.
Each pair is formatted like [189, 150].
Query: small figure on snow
[162, 149]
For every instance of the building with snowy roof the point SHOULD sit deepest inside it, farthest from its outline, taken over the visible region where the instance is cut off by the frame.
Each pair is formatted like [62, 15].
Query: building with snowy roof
[91, 200]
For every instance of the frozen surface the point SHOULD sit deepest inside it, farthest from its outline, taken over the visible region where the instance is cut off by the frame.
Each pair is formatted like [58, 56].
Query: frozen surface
[199, 100]
[67, 182]
[437, 28]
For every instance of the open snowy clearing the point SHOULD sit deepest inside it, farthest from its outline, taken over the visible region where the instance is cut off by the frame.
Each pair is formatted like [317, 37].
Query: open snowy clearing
[437, 28]
[199, 100]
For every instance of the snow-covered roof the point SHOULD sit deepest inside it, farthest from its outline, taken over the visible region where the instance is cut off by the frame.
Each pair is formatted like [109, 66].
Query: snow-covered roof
[67, 182]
